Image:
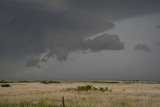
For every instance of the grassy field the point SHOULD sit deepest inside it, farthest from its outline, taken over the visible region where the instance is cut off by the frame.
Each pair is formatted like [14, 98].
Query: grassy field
[49, 94]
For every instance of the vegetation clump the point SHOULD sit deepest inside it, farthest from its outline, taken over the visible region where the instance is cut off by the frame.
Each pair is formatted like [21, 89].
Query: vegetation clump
[44, 82]
[5, 85]
[107, 82]
[104, 89]
[85, 88]
[90, 88]
[49, 82]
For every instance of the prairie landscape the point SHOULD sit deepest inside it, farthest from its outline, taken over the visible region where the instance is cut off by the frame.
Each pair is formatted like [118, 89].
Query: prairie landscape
[80, 53]
[81, 94]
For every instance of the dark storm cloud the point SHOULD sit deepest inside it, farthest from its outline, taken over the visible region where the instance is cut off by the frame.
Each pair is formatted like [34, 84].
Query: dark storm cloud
[158, 45]
[58, 27]
[142, 47]
[158, 26]
[33, 62]
[103, 42]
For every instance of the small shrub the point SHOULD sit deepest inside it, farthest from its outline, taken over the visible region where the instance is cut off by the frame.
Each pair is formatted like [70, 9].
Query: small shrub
[54, 82]
[49, 82]
[44, 82]
[110, 90]
[104, 89]
[69, 89]
[108, 82]
[84, 88]
[5, 85]
[89, 88]
[94, 88]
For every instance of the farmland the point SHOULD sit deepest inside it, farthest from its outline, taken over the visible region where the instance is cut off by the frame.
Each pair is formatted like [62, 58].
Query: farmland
[49, 94]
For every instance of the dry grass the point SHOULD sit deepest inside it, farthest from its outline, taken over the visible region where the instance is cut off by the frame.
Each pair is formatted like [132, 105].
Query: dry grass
[122, 95]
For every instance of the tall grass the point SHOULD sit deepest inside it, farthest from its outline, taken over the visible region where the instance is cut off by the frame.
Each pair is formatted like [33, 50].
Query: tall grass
[41, 95]
[43, 102]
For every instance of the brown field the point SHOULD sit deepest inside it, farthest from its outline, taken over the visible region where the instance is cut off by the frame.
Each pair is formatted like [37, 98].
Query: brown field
[122, 94]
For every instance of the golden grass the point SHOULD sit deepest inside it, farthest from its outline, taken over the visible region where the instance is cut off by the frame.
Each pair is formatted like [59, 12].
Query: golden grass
[122, 95]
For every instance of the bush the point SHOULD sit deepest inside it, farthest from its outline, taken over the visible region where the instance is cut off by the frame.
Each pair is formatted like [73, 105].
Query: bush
[89, 88]
[44, 82]
[49, 82]
[5, 85]
[94, 88]
[108, 82]
[84, 88]
[69, 89]
[54, 82]
[103, 89]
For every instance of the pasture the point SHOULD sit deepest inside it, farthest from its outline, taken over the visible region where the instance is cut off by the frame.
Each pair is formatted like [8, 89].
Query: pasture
[49, 94]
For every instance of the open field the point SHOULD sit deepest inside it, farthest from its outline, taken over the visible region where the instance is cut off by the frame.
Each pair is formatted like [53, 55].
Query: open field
[119, 94]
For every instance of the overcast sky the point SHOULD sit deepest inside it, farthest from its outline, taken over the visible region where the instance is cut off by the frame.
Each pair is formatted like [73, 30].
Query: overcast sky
[79, 39]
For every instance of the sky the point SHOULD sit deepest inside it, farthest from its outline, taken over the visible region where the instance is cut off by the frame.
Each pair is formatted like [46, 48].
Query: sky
[79, 39]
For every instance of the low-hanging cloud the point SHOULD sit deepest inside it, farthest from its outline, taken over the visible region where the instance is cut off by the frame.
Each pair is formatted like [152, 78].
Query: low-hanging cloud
[102, 42]
[142, 47]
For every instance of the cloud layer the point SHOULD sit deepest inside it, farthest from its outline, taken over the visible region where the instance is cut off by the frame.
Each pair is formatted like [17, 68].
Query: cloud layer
[36, 30]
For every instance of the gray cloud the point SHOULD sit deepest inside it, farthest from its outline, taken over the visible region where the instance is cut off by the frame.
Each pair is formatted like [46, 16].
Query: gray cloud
[30, 28]
[33, 62]
[142, 47]
[158, 45]
[158, 26]
[103, 42]
[62, 49]
[54, 6]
